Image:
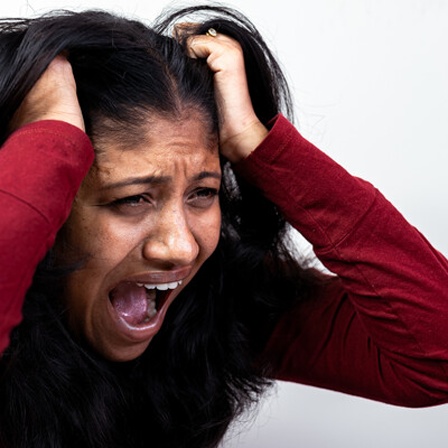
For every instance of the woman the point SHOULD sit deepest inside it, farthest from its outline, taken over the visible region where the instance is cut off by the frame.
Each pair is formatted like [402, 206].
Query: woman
[161, 312]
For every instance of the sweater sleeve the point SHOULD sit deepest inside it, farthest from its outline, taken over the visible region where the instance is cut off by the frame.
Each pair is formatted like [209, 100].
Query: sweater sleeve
[379, 329]
[42, 166]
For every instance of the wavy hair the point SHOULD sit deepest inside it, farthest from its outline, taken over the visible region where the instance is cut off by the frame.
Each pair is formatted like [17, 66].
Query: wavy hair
[205, 366]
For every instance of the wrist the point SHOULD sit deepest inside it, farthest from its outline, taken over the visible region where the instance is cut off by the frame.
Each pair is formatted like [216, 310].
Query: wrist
[240, 145]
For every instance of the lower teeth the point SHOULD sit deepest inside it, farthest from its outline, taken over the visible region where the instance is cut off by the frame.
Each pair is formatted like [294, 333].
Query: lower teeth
[151, 311]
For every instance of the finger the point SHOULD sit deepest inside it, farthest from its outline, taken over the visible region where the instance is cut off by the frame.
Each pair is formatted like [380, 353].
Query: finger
[203, 45]
[198, 47]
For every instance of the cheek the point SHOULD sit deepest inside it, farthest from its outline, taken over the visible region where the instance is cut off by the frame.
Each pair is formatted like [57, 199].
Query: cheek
[96, 236]
[209, 232]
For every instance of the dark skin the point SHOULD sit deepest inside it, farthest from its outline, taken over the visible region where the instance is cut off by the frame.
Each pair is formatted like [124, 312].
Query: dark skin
[139, 242]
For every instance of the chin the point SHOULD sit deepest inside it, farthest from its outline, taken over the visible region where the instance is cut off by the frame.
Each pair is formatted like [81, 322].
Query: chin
[122, 354]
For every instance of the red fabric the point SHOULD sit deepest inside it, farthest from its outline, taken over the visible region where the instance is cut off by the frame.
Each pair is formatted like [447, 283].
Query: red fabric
[379, 330]
[42, 166]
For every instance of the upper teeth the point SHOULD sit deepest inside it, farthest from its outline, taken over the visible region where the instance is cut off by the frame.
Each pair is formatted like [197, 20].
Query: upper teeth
[161, 286]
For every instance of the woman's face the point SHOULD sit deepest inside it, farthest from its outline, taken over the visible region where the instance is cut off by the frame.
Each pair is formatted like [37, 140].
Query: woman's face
[147, 217]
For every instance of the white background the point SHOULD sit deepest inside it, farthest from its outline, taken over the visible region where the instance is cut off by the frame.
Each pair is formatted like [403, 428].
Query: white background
[370, 80]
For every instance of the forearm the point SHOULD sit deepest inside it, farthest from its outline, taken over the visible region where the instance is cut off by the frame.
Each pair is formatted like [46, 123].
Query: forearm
[386, 322]
[43, 165]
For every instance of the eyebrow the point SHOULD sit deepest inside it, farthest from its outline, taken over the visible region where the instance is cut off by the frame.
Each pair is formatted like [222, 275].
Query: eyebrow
[157, 180]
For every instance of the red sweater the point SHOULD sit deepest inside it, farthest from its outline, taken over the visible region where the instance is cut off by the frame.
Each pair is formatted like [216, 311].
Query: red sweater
[378, 330]
[42, 166]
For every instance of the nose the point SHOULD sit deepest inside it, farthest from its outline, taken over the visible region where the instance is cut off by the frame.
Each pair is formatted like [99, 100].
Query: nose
[171, 240]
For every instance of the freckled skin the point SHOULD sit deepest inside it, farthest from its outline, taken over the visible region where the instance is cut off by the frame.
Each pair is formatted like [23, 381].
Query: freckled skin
[148, 210]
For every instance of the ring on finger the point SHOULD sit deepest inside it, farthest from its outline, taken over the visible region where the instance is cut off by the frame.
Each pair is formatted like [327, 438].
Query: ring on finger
[211, 32]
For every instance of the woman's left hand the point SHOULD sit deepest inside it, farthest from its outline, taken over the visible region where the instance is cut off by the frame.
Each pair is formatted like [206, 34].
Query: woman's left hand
[240, 130]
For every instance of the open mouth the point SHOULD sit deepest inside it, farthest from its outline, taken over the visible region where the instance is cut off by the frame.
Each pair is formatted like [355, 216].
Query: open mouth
[138, 303]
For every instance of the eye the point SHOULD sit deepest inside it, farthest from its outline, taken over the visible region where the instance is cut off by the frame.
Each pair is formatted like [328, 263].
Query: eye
[130, 205]
[203, 197]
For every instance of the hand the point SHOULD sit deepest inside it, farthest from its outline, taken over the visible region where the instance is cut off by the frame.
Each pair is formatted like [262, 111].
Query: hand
[53, 97]
[240, 131]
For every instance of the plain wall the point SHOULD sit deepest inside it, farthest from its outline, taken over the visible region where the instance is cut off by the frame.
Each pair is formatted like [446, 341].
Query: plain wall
[370, 83]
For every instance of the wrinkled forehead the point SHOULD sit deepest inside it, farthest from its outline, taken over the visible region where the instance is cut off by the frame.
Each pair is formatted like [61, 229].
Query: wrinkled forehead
[154, 129]
[159, 146]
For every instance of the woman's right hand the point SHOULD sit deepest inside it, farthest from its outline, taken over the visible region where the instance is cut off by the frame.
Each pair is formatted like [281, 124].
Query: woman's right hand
[53, 97]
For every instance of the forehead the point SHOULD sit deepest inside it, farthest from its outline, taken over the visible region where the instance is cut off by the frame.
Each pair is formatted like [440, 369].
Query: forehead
[162, 144]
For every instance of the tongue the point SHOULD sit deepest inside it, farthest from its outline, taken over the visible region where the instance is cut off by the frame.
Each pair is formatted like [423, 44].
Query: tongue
[130, 302]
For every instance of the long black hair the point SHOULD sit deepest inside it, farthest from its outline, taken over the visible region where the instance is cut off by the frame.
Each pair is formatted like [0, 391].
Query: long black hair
[205, 366]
